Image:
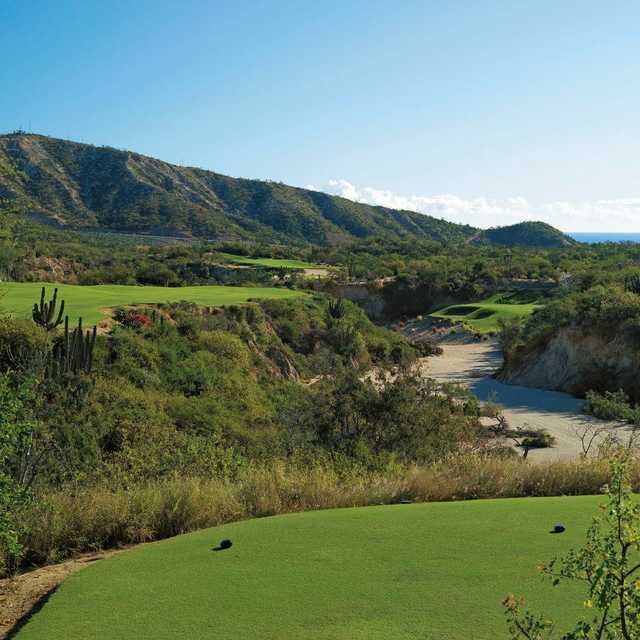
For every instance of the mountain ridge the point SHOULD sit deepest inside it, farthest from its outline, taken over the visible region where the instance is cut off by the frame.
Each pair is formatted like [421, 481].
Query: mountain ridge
[85, 186]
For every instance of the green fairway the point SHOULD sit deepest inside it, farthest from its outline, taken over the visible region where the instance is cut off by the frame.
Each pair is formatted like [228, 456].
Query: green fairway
[17, 298]
[483, 316]
[269, 262]
[428, 571]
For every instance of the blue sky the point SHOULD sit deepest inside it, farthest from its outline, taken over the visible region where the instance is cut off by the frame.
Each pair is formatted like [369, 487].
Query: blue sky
[482, 112]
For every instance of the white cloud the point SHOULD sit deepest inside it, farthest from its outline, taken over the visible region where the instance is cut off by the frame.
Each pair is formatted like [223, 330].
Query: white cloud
[617, 215]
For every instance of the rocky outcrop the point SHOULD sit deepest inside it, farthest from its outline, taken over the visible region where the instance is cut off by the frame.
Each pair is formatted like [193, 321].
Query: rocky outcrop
[47, 269]
[575, 362]
[373, 297]
[365, 294]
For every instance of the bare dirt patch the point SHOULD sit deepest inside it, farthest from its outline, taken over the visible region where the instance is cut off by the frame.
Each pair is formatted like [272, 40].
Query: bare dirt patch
[317, 273]
[104, 326]
[437, 330]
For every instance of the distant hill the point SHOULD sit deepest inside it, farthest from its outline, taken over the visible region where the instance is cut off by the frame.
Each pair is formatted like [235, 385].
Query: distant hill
[80, 185]
[88, 186]
[527, 234]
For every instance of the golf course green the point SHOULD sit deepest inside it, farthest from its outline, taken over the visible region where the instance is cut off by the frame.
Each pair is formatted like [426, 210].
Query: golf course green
[432, 571]
[88, 302]
[483, 316]
[269, 262]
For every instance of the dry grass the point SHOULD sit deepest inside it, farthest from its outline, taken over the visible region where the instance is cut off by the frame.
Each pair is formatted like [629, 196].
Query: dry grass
[76, 520]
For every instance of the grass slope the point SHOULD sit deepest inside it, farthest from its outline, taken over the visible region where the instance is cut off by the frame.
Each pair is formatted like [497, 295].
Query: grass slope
[269, 262]
[483, 316]
[428, 571]
[17, 298]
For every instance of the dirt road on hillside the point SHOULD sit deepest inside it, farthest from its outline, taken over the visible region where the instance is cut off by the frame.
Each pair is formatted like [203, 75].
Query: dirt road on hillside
[472, 364]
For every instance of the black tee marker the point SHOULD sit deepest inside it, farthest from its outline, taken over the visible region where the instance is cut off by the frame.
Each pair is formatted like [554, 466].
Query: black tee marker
[224, 544]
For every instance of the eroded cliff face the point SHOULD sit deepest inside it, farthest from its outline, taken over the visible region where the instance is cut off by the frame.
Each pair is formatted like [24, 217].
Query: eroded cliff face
[575, 362]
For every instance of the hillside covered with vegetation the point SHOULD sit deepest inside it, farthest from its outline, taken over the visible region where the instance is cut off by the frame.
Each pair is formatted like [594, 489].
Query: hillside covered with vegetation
[525, 234]
[82, 185]
[581, 341]
[205, 392]
[103, 187]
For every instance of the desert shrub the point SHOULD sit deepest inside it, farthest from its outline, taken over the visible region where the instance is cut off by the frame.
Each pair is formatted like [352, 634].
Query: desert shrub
[154, 273]
[538, 440]
[405, 419]
[345, 338]
[611, 405]
[152, 452]
[195, 375]
[16, 429]
[240, 416]
[226, 347]
[136, 320]
[378, 348]
[199, 415]
[402, 354]
[91, 435]
[23, 345]
[509, 335]
[187, 325]
[132, 356]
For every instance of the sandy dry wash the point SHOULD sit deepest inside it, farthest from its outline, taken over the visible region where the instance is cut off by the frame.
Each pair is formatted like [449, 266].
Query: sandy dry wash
[473, 364]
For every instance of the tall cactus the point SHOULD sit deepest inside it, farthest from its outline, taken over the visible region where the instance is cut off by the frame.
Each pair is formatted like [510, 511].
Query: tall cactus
[336, 308]
[74, 353]
[44, 313]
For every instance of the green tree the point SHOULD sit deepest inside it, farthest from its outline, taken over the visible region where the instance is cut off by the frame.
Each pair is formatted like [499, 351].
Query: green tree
[10, 254]
[608, 564]
[15, 436]
[509, 334]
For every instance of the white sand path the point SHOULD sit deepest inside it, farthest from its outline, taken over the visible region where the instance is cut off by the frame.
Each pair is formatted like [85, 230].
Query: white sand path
[472, 365]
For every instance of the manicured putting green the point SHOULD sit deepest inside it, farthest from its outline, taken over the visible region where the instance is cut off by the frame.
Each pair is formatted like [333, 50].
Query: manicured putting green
[483, 316]
[269, 262]
[429, 571]
[17, 298]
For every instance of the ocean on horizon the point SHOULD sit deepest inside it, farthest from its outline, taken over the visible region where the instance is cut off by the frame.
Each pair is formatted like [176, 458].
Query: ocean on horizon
[603, 236]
